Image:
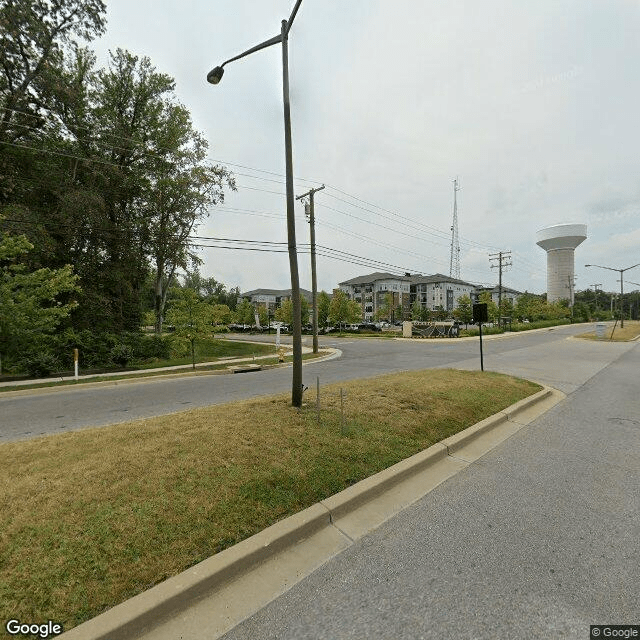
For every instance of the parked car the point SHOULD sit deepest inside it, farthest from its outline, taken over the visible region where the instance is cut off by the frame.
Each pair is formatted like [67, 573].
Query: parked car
[369, 326]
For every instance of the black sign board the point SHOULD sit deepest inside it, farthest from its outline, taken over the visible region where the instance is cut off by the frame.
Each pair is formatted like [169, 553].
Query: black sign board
[480, 312]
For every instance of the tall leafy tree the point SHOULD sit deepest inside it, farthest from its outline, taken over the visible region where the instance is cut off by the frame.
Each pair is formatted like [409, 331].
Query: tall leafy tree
[324, 303]
[342, 310]
[463, 312]
[33, 39]
[191, 318]
[31, 303]
[284, 313]
[384, 310]
[124, 188]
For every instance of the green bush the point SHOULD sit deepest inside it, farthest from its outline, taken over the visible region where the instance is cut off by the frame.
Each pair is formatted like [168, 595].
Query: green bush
[222, 328]
[40, 364]
[149, 347]
[486, 331]
[99, 350]
[121, 354]
[539, 324]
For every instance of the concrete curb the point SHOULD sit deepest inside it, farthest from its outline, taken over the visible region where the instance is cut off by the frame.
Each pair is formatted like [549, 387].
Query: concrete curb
[145, 379]
[164, 604]
[140, 613]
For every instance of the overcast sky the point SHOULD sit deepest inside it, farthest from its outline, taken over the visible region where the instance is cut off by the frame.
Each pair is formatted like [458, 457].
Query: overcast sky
[533, 105]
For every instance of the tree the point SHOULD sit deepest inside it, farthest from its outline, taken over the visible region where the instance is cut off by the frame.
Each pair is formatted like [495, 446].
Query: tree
[191, 317]
[208, 288]
[342, 310]
[506, 308]
[31, 303]
[492, 307]
[323, 302]
[33, 38]
[245, 313]
[168, 187]
[118, 184]
[284, 313]
[416, 310]
[263, 316]
[384, 311]
[463, 312]
[221, 314]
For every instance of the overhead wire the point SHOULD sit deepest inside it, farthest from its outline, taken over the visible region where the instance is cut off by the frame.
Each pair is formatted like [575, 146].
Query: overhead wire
[442, 234]
[416, 225]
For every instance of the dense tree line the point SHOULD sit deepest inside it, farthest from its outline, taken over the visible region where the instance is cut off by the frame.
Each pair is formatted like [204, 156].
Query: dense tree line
[100, 168]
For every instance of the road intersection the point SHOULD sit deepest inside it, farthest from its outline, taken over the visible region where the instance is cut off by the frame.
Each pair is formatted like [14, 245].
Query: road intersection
[548, 356]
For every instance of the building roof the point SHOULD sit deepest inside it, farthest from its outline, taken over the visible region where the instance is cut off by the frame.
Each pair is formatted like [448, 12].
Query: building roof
[278, 293]
[374, 277]
[439, 277]
[504, 290]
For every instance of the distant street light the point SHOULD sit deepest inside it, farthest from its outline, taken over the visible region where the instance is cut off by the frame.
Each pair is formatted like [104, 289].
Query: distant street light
[620, 271]
[637, 284]
[214, 76]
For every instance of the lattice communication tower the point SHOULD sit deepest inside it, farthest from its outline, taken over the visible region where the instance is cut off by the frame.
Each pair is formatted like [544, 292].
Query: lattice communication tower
[454, 265]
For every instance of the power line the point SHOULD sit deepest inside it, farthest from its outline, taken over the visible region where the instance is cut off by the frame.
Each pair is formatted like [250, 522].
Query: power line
[423, 227]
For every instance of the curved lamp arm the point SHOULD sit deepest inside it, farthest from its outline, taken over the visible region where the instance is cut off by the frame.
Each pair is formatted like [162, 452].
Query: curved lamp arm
[215, 75]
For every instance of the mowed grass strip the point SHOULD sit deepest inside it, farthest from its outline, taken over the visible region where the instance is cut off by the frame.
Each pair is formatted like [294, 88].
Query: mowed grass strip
[91, 518]
[630, 331]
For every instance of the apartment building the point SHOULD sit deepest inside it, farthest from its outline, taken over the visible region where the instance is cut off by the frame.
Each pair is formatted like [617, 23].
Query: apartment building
[439, 291]
[372, 293]
[271, 299]
[507, 293]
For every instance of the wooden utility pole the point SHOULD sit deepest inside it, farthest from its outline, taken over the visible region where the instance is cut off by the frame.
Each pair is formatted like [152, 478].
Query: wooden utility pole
[503, 260]
[309, 212]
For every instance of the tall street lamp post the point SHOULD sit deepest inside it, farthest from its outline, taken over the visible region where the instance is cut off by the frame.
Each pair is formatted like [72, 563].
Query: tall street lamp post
[620, 271]
[637, 284]
[214, 76]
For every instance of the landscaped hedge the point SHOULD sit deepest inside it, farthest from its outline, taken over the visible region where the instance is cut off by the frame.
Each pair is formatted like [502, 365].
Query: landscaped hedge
[48, 354]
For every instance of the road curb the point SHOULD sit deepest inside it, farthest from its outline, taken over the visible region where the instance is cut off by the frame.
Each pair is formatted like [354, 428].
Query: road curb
[149, 611]
[143, 379]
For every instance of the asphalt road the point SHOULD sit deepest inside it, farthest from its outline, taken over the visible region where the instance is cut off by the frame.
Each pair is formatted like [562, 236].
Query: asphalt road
[537, 539]
[546, 356]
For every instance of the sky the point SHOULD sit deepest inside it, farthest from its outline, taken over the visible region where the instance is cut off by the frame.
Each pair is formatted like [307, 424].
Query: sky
[532, 106]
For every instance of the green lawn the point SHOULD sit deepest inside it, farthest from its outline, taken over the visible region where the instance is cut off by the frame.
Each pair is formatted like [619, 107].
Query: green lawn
[93, 517]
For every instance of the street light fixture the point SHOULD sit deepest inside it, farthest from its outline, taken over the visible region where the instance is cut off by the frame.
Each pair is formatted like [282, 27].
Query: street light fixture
[213, 77]
[620, 271]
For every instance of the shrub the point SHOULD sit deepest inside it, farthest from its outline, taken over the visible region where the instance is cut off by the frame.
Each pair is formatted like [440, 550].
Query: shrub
[121, 354]
[40, 364]
[153, 346]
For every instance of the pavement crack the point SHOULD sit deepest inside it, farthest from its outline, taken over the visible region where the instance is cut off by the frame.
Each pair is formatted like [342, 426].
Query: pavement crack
[459, 458]
[346, 535]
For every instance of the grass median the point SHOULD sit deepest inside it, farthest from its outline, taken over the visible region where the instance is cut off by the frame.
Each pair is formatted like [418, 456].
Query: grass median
[614, 332]
[222, 367]
[93, 517]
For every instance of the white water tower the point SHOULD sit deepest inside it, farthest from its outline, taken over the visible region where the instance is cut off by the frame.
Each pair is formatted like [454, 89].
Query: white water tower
[560, 242]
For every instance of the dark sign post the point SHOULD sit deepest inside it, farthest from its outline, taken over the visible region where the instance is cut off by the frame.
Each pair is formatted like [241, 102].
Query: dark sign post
[480, 315]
